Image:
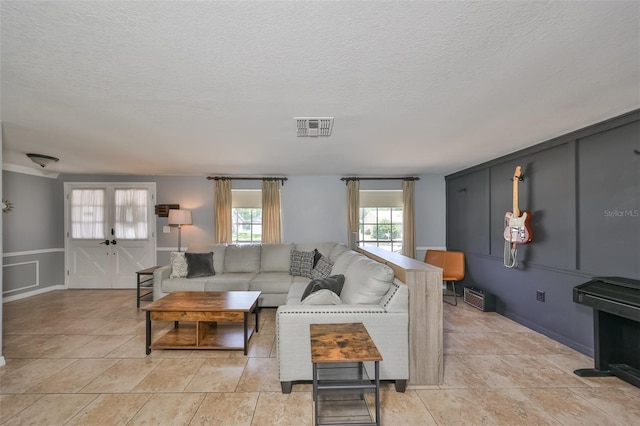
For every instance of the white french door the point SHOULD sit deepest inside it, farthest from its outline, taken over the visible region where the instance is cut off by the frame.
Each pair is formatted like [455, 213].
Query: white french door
[109, 233]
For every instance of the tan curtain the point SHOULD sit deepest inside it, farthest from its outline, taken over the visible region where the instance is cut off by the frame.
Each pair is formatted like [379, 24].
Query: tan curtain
[222, 210]
[353, 208]
[408, 219]
[271, 229]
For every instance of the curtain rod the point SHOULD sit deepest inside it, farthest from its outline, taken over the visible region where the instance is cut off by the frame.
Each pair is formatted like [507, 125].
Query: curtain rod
[281, 179]
[409, 178]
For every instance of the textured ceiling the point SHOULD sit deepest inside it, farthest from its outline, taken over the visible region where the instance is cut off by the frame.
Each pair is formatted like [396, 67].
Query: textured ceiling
[211, 87]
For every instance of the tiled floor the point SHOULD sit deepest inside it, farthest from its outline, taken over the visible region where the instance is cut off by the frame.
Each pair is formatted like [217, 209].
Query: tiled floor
[76, 357]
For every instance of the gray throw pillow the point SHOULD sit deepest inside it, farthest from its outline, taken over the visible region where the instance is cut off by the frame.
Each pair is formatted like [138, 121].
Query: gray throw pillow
[301, 263]
[322, 269]
[333, 283]
[199, 264]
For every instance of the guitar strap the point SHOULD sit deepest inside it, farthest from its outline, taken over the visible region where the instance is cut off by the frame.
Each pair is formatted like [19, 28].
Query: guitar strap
[510, 254]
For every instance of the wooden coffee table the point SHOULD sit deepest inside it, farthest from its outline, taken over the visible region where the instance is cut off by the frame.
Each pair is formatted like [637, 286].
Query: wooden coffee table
[220, 319]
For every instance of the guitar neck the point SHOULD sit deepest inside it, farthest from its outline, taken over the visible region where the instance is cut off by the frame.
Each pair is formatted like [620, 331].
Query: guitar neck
[516, 178]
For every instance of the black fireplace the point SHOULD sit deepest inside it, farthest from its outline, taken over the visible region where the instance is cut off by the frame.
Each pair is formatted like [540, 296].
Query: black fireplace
[616, 326]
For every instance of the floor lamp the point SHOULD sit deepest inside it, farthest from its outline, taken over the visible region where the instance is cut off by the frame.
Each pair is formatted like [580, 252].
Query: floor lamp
[179, 218]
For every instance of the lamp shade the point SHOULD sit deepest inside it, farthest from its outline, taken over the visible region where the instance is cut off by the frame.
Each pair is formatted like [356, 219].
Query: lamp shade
[179, 217]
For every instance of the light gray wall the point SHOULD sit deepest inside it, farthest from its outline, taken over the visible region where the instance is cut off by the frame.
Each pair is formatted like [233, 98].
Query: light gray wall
[2, 362]
[32, 233]
[314, 208]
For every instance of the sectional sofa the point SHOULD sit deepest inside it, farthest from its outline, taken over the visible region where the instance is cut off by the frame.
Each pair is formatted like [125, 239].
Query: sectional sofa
[281, 272]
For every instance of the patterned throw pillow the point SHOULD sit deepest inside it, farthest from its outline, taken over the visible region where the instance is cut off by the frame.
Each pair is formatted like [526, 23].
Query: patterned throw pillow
[301, 263]
[179, 267]
[322, 269]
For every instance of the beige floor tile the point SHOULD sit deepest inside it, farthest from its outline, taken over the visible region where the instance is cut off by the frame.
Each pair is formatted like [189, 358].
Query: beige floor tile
[401, 408]
[12, 364]
[458, 374]
[123, 377]
[512, 407]
[119, 326]
[81, 326]
[568, 408]
[51, 409]
[538, 372]
[493, 371]
[171, 375]
[260, 375]
[21, 379]
[622, 405]
[226, 409]
[259, 346]
[217, 375]
[74, 377]
[100, 347]
[455, 407]
[61, 345]
[115, 409]
[13, 404]
[135, 348]
[168, 408]
[496, 372]
[275, 408]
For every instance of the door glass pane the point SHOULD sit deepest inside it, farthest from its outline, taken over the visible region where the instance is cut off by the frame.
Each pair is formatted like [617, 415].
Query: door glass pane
[131, 213]
[87, 214]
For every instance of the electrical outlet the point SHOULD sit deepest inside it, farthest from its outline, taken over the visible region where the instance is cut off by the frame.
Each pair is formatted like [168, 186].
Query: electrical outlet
[540, 296]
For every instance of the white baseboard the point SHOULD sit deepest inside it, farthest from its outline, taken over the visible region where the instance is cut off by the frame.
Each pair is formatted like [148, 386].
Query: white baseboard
[32, 293]
[2, 362]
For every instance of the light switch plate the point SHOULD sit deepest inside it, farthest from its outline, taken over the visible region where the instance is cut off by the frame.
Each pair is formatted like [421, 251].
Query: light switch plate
[166, 229]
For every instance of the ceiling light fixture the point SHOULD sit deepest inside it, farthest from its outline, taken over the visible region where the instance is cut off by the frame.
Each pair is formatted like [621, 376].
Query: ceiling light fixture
[43, 160]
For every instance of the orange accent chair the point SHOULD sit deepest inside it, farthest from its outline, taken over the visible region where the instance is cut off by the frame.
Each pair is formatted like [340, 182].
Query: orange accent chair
[452, 264]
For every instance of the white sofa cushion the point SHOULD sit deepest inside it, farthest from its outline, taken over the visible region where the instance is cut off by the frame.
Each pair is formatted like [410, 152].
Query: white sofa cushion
[337, 250]
[366, 281]
[322, 297]
[276, 257]
[271, 282]
[242, 259]
[233, 281]
[343, 261]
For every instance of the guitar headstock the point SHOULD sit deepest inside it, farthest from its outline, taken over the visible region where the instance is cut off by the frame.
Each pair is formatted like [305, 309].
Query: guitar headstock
[518, 174]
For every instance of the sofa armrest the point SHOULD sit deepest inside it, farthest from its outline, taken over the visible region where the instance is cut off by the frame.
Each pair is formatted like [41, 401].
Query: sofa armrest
[160, 274]
[388, 330]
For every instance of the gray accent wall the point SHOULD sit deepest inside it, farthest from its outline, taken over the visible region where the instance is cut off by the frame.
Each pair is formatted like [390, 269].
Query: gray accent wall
[32, 233]
[583, 193]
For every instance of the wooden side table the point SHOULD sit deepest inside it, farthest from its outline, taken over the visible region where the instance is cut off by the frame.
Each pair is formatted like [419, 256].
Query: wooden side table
[338, 354]
[146, 283]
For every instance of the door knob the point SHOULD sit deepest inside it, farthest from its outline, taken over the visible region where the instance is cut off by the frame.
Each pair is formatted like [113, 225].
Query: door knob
[105, 242]
[114, 242]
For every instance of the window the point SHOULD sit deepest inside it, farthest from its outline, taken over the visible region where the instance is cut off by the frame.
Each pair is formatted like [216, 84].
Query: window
[87, 214]
[381, 220]
[131, 214]
[246, 216]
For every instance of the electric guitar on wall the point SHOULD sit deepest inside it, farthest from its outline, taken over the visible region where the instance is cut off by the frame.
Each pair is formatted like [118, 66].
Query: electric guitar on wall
[517, 229]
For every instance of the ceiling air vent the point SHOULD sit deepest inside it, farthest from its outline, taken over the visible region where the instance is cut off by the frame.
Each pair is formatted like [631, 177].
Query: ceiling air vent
[314, 126]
